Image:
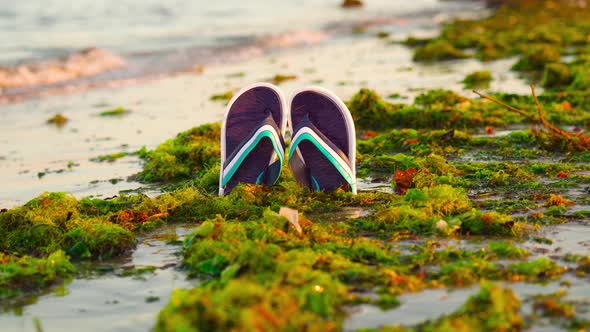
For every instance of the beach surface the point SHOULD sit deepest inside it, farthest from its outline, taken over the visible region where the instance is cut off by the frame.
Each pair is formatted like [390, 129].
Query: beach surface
[159, 69]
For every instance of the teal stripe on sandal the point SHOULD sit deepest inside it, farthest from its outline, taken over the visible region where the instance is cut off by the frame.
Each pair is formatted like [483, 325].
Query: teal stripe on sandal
[333, 161]
[261, 135]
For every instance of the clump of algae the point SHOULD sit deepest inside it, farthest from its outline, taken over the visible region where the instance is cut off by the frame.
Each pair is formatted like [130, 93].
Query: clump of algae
[119, 111]
[281, 78]
[20, 274]
[443, 109]
[556, 75]
[440, 209]
[53, 221]
[256, 269]
[532, 30]
[478, 79]
[224, 96]
[190, 152]
[554, 306]
[351, 4]
[492, 309]
[536, 58]
[370, 111]
[59, 120]
[438, 50]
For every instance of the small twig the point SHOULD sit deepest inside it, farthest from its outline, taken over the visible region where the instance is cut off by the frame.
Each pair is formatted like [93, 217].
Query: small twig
[542, 117]
[501, 103]
[580, 141]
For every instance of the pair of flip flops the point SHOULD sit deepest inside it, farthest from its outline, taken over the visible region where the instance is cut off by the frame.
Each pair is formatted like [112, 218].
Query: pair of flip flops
[323, 143]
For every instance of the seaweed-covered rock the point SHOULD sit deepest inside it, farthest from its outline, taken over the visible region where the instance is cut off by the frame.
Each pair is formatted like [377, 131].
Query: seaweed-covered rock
[478, 79]
[370, 111]
[22, 274]
[439, 50]
[183, 157]
[53, 221]
[537, 57]
[439, 98]
[556, 75]
[415, 41]
[492, 309]
[581, 80]
[97, 238]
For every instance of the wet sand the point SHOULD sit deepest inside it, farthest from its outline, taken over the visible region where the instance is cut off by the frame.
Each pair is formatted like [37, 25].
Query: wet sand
[162, 108]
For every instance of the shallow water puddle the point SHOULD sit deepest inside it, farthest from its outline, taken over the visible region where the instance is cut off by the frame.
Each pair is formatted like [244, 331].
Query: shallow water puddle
[570, 238]
[415, 309]
[124, 299]
[368, 184]
[433, 303]
[343, 214]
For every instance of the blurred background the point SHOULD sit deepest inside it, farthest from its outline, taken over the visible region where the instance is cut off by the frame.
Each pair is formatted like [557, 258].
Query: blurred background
[143, 38]
[34, 30]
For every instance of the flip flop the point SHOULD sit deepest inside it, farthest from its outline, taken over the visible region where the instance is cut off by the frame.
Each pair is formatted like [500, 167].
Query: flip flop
[252, 145]
[323, 144]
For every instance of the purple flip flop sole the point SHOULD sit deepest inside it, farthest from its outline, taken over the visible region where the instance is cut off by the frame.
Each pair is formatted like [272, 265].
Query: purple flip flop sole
[323, 111]
[244, 115]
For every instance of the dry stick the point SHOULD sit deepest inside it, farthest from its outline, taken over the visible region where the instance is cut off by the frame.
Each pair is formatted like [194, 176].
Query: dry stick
[501, 103]
[544, 121]
[584, 141]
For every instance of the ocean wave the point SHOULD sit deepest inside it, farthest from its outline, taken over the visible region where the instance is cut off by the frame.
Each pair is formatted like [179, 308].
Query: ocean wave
[84, 63]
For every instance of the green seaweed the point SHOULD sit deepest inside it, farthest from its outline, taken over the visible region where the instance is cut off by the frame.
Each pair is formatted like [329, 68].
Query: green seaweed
[532, 270]
[281, 78]
[110, 157]
[492, 309]
[438, 50]
[533, 30]
[438, 109]
[59, 120]
[224, 96]
[413, 41]
[536, 58]
[551, 305]
[119, 111]
[556, 75]
[183, 157]
[28, 274]
[478, 79]
[53, 221]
